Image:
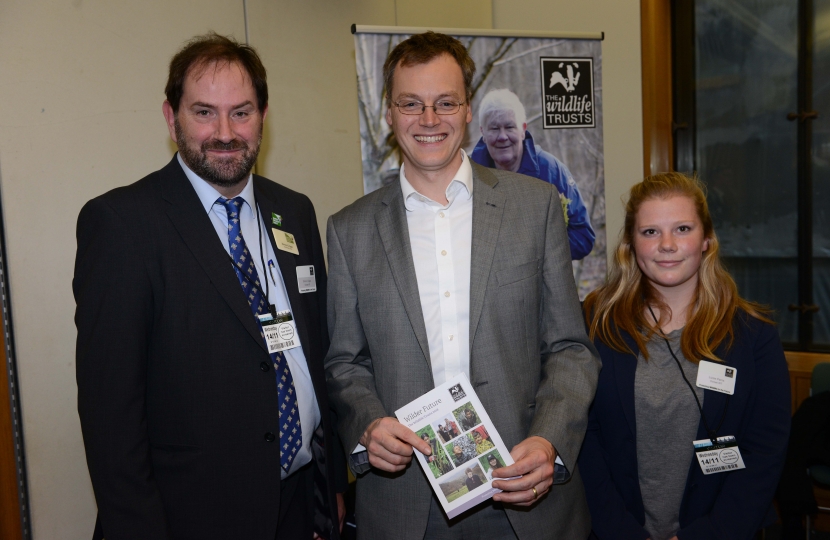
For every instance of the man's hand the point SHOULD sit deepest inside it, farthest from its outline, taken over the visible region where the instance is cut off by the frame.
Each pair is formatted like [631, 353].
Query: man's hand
[390, 444]
[534, 459]
[341, 510]
[341, 514]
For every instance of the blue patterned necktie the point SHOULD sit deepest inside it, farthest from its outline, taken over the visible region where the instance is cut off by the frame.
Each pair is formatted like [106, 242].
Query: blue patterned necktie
[291, 434]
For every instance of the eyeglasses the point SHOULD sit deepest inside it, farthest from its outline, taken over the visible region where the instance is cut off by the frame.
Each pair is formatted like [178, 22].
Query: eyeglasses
[443, 107]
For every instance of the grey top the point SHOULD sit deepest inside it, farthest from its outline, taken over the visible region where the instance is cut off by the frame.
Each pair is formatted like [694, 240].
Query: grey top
[667, 419]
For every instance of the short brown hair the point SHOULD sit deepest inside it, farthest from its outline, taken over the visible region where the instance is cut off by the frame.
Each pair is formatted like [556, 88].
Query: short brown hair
[202, 51]
[423, 48]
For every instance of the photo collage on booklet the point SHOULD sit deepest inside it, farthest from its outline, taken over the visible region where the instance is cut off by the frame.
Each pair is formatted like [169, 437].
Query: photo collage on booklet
[465, 438]
[465, 446]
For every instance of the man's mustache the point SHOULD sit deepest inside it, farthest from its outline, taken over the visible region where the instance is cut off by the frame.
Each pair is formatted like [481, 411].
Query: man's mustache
[235, 144]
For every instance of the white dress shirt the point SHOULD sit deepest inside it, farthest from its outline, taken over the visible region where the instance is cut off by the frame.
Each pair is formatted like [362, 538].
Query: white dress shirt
[441, 239]
[277, 295]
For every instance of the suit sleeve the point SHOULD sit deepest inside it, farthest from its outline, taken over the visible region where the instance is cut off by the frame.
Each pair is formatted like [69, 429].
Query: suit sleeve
[609, 516]
[338, 462]
[570, 365]
[349, 371]
[746, 495]
[114, 317]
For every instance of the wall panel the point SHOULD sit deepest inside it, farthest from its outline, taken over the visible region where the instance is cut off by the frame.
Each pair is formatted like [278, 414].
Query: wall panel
[82, 85]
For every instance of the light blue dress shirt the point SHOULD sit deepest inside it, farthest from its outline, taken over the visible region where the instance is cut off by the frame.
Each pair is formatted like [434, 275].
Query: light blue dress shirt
[277, 295]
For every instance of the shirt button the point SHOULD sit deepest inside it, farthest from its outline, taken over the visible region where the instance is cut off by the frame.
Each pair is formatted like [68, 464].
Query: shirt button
[447, 294]
[443, 252]
[441, 214]
[451, 336]
[264, 366]
[269, 437]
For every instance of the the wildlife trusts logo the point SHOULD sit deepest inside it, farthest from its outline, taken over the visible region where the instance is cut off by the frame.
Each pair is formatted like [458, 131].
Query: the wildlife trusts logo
[457, 392]
[567, 92]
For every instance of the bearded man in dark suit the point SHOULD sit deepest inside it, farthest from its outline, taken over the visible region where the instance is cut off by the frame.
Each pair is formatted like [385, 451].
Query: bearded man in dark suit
[201, 390]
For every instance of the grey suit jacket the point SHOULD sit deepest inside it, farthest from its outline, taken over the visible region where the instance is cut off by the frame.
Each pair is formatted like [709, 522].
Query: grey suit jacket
[530, 361]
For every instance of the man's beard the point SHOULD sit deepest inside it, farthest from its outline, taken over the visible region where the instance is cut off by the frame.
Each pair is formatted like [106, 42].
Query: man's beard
[225, 173]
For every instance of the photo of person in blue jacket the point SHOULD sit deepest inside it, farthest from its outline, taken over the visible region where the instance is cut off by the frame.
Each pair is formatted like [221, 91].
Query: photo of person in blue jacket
[506, 144]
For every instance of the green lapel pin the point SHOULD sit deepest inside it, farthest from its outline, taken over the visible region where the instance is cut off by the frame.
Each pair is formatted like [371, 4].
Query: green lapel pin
[276, 219]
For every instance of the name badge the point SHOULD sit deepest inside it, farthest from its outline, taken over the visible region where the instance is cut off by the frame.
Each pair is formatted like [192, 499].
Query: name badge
[306, 281]
[717, 377]
[280, 331]
[721, 456]
[285, 241]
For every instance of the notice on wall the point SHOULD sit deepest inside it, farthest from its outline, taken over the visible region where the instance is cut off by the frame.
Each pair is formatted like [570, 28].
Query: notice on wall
[537, 110]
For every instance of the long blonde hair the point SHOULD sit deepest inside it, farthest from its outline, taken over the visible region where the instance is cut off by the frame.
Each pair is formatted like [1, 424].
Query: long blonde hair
[619, 305]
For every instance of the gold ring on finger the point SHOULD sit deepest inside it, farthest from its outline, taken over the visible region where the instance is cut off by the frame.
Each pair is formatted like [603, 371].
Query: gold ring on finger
[535, 493]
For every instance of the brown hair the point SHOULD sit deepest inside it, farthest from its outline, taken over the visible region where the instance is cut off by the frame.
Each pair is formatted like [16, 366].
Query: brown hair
[422, 49]
[620, 304]
[202, 51]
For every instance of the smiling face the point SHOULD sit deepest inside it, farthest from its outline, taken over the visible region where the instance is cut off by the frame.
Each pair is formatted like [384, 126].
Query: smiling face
[668, 242]
[477, 437]
[504, 138]
[218, 127]
[456, 450]
[429, 142]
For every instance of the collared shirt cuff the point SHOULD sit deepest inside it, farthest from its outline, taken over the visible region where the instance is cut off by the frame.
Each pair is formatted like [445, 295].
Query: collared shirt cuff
[359, 460]
[561, 474]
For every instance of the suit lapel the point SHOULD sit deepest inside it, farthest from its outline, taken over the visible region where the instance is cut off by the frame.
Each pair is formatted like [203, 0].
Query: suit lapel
[488, 208]
[625, 368]
[287, 261]
[714, 403]
[394, 234]
[189, 218]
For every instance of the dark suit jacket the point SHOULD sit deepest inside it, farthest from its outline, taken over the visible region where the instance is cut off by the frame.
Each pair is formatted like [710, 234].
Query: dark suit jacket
[730, 505]
[176, 393]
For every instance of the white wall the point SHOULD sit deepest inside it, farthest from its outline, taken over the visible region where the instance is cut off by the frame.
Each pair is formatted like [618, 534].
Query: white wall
[82, 85]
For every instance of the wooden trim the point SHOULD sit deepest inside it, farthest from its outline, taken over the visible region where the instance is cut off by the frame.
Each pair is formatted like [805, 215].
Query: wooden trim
[804, 361]
[655, 30]
[10, 525]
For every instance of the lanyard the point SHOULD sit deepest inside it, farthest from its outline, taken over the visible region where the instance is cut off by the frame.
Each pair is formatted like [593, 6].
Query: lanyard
[271, 307]
[712, 434]
[262, 256]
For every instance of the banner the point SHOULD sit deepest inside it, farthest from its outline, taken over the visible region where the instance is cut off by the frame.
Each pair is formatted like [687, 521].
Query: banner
[537, 109]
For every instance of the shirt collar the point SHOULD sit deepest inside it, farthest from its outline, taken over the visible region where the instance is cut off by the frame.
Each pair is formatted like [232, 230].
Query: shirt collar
[207, 193]
[461, 182]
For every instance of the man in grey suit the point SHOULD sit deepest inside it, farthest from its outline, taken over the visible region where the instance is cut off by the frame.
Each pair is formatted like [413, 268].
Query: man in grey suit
[456, 269]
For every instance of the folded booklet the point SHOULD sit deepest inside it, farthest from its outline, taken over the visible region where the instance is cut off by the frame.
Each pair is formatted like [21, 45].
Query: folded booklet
[466, 448]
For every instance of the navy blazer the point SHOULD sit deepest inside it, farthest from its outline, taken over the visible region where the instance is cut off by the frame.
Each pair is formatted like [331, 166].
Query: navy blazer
[731, 505]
